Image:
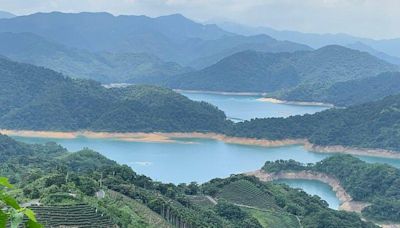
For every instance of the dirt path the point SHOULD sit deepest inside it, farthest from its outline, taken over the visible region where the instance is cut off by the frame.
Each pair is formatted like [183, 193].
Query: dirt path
[212, 200]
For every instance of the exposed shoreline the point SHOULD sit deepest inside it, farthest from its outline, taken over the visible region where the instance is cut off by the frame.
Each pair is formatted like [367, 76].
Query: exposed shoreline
[221, 92]
[299, 103]
[346, 201]
[262, 99]
[160, 137]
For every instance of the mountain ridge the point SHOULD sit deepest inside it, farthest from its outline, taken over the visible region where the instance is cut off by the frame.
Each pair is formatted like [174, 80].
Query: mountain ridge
[171, 38]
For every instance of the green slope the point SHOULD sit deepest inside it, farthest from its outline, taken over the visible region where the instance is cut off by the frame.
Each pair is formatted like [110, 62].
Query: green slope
[369, 125]
[40, 99]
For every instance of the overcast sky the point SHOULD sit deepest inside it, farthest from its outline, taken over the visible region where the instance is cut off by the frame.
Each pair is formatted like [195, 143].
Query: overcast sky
[368, 18]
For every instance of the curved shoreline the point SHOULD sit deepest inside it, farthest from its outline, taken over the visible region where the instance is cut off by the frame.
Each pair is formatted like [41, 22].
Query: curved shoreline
[161, 137]
[220, 92]
[299, 103]
[262, 98]
[346, 201]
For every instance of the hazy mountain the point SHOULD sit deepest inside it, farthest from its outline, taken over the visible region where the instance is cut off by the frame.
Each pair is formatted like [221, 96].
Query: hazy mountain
[36, 98]
[4, 14]
[363, 47]
[308, 72]
[103, 66]
[172, 38]
[212, 51]
[388, 46]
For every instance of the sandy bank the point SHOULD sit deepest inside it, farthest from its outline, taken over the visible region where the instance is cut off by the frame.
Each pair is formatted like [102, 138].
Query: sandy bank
[346, 201]
[352, 150]
[134, 137]
[151, 137]
[220, 92]
[263, 99]
[300, 103]
[172, 138]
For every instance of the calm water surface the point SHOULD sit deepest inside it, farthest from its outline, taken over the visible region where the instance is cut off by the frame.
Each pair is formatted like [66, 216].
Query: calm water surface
[315, 188]
[187, 160]
[239, 108]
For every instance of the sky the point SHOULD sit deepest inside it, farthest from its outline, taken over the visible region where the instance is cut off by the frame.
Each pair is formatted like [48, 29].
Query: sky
[367, 18]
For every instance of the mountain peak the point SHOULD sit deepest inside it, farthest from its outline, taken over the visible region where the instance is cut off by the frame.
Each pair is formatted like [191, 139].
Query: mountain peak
[6, 15]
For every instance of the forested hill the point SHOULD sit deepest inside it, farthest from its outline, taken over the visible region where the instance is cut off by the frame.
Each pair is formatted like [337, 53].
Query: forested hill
[369, 125]
[36, 98]
[302, 75]
[55, 177]
[354, 91]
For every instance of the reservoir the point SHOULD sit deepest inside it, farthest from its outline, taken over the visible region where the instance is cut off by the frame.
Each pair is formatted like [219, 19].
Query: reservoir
[239, 107]
[201, 160]
[312, 187]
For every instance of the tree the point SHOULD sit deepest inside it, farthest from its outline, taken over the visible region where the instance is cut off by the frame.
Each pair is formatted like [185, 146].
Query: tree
[11, 211]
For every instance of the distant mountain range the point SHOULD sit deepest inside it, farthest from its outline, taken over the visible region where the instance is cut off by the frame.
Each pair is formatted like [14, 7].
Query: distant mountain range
[4, 14]
[391, 47]
[176, 52]
[171, 38]
[304, 75]
[105, 67]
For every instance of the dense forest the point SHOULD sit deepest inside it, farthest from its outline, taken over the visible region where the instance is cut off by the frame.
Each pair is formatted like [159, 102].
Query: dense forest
[369, 125]
[56, 177]
[378, 184]
[352, 92]
[35, 98]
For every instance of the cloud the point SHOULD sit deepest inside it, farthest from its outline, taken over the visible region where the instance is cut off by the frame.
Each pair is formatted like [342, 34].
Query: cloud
[371, 18]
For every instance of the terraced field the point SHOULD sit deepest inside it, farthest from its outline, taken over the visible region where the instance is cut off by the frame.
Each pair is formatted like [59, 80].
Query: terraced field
[273, 219]
[152, 219]
[244, 192]
[201, 201]
[71, 216]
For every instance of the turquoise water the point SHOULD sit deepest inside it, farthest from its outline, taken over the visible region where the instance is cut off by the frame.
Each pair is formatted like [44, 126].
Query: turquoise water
[312, 187]
[187, 160]
[247, 107]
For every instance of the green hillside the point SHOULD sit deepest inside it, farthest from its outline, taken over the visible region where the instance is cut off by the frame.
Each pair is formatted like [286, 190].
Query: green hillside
[351, 92]
[62, 181]
[369, 125]
[36, 98]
